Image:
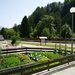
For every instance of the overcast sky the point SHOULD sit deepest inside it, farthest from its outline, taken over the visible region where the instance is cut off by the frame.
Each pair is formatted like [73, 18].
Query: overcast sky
[13, 11]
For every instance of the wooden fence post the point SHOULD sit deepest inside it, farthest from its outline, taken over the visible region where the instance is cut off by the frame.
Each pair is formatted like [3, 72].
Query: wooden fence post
[68, 60]
[26, 51]
[48, 65]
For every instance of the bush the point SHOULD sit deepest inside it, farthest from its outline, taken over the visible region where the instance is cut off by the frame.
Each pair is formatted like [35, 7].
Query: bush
[44, 55]
[43, 59]
[14, 39]
[14, 60]
[25, 58]
[66, 31]
[11, 61]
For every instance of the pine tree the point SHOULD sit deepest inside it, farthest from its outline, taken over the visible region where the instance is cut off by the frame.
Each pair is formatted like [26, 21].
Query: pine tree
[24, 28]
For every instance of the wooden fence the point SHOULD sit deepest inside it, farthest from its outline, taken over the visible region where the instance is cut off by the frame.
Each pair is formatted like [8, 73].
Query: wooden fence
[28, 69]
[35, 67]
[30, 49]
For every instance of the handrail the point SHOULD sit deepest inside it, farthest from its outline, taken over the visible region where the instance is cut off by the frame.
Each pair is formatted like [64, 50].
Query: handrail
[38, 66]
[25, 49]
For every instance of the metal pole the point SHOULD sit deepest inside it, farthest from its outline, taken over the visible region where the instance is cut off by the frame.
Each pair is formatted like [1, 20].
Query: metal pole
[59, 40]
[72, 35]
[65, 47]
[65, 44]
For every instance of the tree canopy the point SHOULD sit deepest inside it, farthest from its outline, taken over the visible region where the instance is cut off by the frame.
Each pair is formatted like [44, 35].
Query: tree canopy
[51, 21]
[24, 28]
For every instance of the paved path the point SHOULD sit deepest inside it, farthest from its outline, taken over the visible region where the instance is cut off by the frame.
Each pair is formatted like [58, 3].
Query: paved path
[69, 71]
[29, 45]
[65, 69]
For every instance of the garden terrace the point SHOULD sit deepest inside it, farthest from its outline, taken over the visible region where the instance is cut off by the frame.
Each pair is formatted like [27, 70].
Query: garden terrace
[31, 60]
[38, 66]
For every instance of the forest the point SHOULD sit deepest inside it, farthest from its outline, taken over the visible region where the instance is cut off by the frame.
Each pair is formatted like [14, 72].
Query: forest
[53, 21]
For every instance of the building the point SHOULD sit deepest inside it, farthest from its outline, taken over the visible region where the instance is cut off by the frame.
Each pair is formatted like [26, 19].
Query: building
[1, 41]
[1, 38]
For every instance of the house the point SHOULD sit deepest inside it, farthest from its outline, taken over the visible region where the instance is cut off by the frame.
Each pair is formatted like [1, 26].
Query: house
[1, 38]
[1, 41]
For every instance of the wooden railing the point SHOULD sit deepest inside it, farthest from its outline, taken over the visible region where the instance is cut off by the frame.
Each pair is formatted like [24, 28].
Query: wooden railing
[28, 69]
[29, 49]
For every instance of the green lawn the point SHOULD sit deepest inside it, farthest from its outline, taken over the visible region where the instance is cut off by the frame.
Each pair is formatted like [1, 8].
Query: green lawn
[52, 45]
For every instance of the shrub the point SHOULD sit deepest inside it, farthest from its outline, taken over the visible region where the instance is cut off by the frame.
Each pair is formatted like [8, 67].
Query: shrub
[44, 55]
[13, 40]
[66, 31]
[25, 58]
[43, 59]
[11, 61]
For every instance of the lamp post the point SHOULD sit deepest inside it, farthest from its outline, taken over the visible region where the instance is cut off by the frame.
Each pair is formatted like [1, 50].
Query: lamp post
[72, 11]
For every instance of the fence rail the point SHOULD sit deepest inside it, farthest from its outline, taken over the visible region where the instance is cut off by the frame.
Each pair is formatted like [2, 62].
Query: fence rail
[29, 49]
[38, 66]
[28, 69]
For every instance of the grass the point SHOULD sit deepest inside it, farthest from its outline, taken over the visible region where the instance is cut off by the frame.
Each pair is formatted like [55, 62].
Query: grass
[51, 45]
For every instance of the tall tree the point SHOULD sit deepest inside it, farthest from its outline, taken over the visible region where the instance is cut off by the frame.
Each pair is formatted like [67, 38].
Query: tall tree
[24, 28]
[66, 31]
[36, 16]
[45, 25]
[2, 32]
[16, 27]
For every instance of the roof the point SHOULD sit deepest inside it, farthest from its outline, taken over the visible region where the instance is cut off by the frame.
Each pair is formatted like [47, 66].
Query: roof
[1, 38]
[43, 37]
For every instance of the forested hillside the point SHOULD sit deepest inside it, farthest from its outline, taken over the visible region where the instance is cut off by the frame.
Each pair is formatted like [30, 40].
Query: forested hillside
[53, 21]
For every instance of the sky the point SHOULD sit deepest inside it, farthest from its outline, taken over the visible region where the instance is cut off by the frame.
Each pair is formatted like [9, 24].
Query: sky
[13, 11]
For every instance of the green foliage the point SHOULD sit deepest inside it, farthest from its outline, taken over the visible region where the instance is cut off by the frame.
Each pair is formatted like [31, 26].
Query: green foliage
[3, 32]
[38, 56]
[55, 51]
[8, 33]
[60, 13]
[36, 16]
[45, 32]
[60, 51]
[45, 27]
[43, 59]
[51, 55]
[25, 58]
[45, 21]
[24, 28]
[73, 35]
[12, 60]
[66, 31]
[13, 40]
[43, 56]
[16, 28]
